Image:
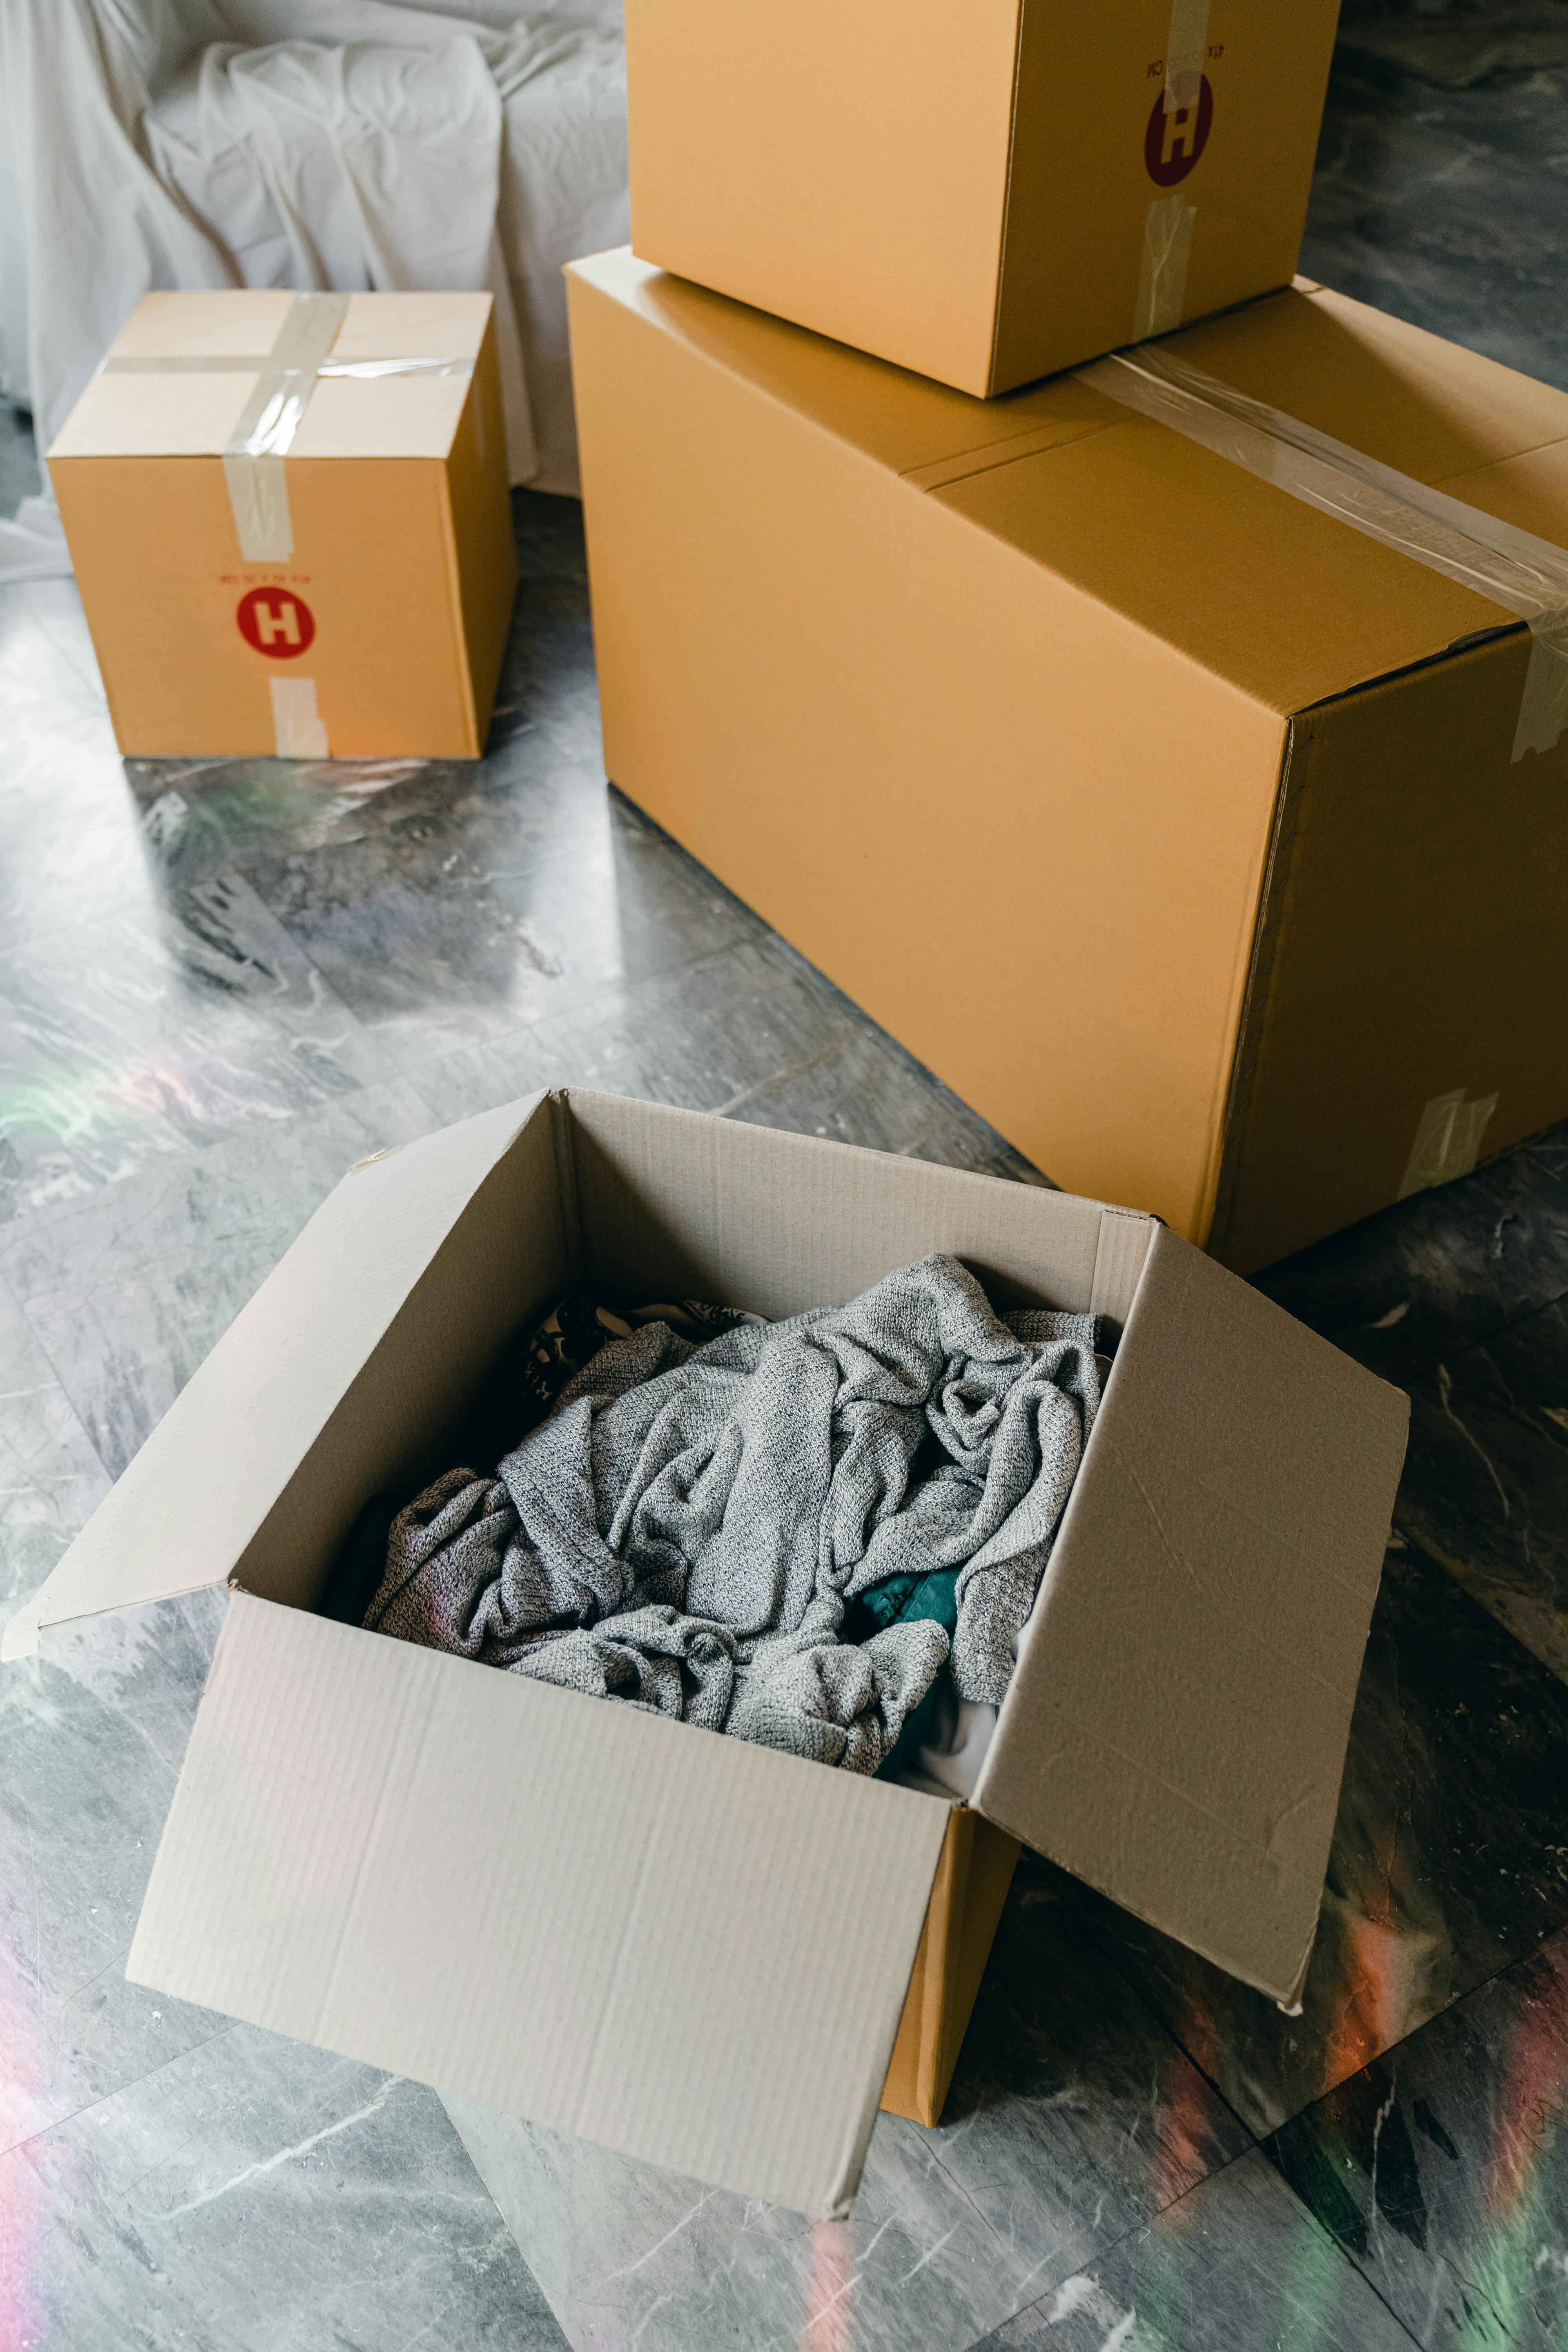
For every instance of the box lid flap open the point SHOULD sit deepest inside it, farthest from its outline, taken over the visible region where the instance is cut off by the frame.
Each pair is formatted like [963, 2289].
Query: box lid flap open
[187, 1507]
[1175, 1731]
[687, 1947]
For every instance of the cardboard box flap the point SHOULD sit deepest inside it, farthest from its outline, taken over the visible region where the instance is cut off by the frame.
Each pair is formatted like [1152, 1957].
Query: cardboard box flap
[174, 382]
[1530, 491]
[1410, 400]
[1286, 603]
[689, 1949]
[1176, 1727]
[900, 420]
[183, 1512]
[230, 322]
[1290, 605]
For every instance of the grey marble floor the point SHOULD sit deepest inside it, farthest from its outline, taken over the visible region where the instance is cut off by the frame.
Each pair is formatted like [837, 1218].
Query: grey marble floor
[1445, 199]
[19, 459]
[222, 981]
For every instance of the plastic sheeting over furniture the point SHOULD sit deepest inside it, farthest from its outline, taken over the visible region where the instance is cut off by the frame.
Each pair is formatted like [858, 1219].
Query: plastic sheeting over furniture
[311, 143]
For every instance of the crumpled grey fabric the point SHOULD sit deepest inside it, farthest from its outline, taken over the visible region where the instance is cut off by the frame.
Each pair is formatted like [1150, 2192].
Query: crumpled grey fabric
[685, 1530]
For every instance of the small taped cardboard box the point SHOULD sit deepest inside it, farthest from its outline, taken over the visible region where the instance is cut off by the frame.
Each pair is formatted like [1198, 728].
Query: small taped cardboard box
[687, 1947]
[985, 190]
[290, 520]
[1185, 830]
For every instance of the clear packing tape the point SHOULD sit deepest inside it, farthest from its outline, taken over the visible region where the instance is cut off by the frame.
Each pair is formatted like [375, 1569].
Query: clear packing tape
[1526, 575]
[1168, 224]
[286, 376]
[1185, 45]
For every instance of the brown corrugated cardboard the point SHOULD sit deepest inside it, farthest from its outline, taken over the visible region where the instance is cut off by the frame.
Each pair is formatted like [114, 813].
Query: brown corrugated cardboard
[1172, 822]
[424, 1863]
[986, 194]
[370, 620]
[966, 1899]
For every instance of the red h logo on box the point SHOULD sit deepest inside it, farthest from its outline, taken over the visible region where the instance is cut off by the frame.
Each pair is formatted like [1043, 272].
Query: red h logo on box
[275, 622]
[1177, 136]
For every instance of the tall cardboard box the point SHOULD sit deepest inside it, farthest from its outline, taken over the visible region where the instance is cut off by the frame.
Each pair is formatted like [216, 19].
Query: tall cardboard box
[290, 524]
[687, 1947]
[982, 190]
[1193, 835]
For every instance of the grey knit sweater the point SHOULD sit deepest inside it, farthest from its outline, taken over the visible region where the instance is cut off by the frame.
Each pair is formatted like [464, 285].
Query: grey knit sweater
[685, 1530]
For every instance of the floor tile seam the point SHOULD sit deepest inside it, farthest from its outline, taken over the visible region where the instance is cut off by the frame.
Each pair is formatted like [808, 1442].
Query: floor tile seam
[767, 937]
[899, 1055]
[1343, 2252]
[624, 990]
[860, 1022]
[503, 2226]
[1348, 2253]
[787, 1076]
[87, 2106]
[544, 2293]
[610, 811]
[1532, 1146]
[1358, 2264]
[650, 826]
[1390, 2049]
[1254, 2140]
[544, 864]
[1414, 1536]
[180, 1153]
[233, 873]
[1407, 1379]
[630, 981]
[572, 852]
[339, 1004]
[978, 2210]
[44, 1215]
[1102, 2253]
[166, 1164]
[1450, 2009]
[71, 1406]
[277, 851]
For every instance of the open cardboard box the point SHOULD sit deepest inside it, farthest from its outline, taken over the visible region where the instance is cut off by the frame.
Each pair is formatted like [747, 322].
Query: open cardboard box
[687, 1947]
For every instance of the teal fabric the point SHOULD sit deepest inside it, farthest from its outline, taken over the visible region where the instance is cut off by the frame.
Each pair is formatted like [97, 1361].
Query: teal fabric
[900, 1601]
[359, 1568]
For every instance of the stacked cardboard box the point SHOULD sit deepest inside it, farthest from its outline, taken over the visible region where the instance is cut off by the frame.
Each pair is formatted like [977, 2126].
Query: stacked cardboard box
[1184, 829]
[1169, 752]
[985, 192]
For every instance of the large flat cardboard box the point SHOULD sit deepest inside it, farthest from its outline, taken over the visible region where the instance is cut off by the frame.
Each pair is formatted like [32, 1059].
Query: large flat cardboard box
[290, 524]
[687, 1947]
[982, 190]
[1174, 823]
